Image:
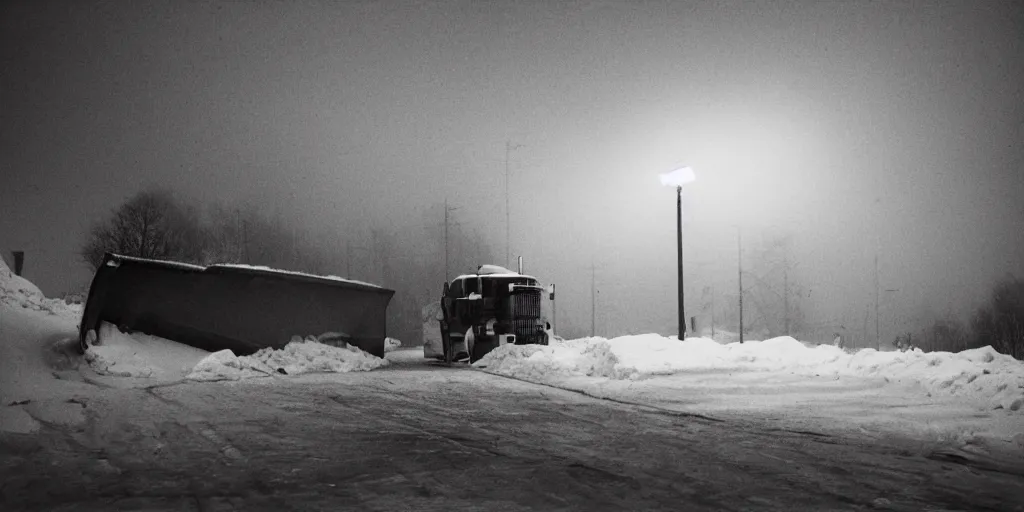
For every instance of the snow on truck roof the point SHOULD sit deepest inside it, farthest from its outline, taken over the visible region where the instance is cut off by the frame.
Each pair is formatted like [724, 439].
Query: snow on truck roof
[494, 271]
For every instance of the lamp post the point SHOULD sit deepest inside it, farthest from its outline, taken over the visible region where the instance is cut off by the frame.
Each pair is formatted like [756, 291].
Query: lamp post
[677, 179]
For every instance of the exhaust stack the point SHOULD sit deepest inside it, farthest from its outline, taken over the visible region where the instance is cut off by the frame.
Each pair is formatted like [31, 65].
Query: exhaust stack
[520, 264]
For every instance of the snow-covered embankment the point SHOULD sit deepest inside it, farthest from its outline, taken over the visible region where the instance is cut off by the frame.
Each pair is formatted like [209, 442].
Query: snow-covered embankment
[982, 375]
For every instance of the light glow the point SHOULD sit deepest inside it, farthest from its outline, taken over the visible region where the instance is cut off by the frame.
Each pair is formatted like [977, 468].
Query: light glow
[678, 177]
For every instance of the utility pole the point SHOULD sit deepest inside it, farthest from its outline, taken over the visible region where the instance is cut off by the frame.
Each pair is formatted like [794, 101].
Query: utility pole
[238, 229]
[679, 260]
[348, 259]
[554, 311]
[243, 226]
[866, 315]
[446, 239]
[245, 239]
[739, 261]
[785, 287]
[508, 253]
[295, 248]
[593, 301]
[891, 290]
[446, 217]
[712, 311]
[878, 337]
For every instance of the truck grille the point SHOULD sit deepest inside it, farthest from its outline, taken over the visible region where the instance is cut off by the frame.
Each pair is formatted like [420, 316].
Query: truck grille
[525, 312]
[526, 305]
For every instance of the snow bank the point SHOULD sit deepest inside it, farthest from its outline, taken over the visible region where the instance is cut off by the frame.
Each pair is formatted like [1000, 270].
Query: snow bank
[391, 344]
[983, 374]
[224, 365]
[139, 355]
[16, 291]
[297, 357]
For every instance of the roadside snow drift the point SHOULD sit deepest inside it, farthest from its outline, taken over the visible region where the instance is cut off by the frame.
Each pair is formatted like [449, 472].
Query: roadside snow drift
[16, 291]
[37, 358]
[297, 357]
[391, 344]
[140, 355]
[982, 374]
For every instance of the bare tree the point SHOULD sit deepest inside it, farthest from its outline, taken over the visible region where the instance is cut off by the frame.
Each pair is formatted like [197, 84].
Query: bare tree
[774, 291]
[1000, 323]
[945, 334]
[151, 224]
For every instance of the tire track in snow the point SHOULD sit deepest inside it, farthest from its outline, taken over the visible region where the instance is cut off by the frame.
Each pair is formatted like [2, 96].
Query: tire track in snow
[199, 427]
[652, 408]
[449, 439]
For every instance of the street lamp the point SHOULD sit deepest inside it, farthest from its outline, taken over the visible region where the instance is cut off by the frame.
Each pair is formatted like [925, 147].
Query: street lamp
[677, 179]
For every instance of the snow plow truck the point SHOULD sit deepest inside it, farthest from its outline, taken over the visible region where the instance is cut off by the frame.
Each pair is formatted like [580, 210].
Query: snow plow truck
[482, 311]
[237, 307]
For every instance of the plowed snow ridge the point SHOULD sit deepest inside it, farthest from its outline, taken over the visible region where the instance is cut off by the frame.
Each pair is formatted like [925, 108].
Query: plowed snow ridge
[995, 380]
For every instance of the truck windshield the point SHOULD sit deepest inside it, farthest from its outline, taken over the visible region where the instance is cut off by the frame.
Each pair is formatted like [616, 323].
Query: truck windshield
[455, 290]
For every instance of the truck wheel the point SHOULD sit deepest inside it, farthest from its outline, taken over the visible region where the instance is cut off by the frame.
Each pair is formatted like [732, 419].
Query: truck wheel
[481, 346]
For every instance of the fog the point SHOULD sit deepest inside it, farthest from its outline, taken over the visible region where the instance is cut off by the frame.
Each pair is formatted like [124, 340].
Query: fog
[854, 129]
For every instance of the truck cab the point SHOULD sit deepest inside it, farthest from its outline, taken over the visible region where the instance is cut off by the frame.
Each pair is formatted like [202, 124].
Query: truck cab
[490, 308]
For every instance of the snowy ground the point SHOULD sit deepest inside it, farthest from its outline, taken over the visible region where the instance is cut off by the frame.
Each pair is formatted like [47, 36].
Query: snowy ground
[971, 398]
[421, 436]
[20, 293]
[141, 356]
[297, 357]
[44, 378]
[991, 379]
[770, 426]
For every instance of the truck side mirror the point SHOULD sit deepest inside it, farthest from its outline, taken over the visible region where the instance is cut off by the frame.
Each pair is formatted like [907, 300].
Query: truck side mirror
[446, 302]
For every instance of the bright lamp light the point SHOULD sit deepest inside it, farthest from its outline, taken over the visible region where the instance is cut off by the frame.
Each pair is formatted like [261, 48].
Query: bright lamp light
[678, 177]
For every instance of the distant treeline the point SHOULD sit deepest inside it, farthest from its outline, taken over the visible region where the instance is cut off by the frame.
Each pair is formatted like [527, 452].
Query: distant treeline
[999, 323]
[157, 224]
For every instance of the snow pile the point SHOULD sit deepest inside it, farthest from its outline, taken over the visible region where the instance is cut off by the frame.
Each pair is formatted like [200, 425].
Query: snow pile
[592, 357]
[530, 362]
[225, 365]
[391, 344]
[980, 374]
[139, 355]
[297, 357]
[17, 291]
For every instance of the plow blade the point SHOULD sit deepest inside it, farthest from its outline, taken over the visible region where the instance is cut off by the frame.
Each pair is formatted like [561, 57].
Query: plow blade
[239, 308]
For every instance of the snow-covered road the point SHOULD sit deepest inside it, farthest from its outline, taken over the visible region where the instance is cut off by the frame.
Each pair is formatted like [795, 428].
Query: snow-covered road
[412, 436]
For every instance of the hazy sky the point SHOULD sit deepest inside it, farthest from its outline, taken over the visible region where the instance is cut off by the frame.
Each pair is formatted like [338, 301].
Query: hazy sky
[893, 128]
